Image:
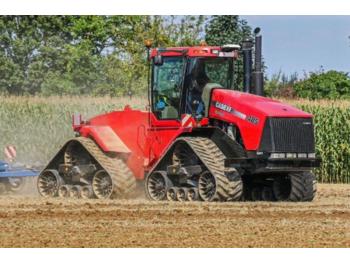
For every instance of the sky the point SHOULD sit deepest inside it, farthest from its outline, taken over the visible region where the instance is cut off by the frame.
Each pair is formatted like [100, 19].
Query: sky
[297, 43]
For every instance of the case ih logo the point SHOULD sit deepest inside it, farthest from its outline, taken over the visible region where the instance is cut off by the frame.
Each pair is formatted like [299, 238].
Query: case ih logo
[252, 119]
[223, 107]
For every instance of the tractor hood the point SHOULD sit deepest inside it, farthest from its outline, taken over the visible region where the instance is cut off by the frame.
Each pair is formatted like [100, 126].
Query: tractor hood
[250, 113]
[252, 104]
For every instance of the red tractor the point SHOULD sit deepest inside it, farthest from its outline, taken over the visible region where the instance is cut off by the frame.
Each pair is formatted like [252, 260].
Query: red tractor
[200, 138]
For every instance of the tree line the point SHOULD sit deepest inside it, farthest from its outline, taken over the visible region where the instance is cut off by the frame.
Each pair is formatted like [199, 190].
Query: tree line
[97, 55]
[105, 55]
[319, 84]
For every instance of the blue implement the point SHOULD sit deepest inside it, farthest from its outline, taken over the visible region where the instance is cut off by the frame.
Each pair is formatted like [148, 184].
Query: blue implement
[18, 173]
[7, 171]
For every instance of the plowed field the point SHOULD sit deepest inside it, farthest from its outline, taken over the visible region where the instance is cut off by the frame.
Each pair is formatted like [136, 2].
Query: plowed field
[29, 221]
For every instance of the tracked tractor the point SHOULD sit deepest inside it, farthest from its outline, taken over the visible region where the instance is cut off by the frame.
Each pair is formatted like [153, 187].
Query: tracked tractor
[199, 139]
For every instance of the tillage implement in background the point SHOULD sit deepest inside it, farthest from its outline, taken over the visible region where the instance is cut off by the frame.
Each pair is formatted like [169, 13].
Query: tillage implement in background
[14, 178]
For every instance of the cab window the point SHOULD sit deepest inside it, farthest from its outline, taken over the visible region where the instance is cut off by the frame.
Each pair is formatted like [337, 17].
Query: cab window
[219, 71]
[166, 88]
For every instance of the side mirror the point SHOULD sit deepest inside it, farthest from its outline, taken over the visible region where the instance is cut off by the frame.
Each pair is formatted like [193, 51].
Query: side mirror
[158, 60]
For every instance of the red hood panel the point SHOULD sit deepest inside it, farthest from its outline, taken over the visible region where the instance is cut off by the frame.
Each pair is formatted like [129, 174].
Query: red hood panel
[253, 103]
[249, 112]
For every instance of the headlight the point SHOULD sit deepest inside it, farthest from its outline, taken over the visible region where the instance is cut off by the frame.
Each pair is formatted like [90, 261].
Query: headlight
[277, 155]
[311, 155]
[291, 155]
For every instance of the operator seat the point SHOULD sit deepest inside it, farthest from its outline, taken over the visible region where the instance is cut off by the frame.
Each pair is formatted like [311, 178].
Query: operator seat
[206, 95]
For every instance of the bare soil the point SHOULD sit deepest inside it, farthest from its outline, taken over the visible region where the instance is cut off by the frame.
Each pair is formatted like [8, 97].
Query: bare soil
[30, 221]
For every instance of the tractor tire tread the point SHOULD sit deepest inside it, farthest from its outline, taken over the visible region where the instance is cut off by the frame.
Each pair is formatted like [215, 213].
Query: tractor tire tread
[303, 186]
[213, 158]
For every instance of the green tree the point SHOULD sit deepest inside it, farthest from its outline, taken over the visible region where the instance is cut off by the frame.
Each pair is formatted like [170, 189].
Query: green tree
[185, 30]
[85, 54]
[37, 51]
[228, 29]
[30, 46]
[281, 85]
[331, 84]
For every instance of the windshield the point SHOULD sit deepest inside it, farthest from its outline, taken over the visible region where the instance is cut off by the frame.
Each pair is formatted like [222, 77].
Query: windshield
[217, 70]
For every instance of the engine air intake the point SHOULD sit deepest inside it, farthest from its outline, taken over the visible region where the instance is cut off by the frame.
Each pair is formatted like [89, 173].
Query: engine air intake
[288, 135]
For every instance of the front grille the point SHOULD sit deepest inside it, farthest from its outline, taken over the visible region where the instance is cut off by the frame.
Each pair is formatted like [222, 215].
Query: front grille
[295, 135]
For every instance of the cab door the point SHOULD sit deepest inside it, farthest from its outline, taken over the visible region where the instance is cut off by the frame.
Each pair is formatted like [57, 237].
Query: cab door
[166, 90]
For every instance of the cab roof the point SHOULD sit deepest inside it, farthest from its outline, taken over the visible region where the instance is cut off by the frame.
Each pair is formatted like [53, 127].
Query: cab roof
[194, 51]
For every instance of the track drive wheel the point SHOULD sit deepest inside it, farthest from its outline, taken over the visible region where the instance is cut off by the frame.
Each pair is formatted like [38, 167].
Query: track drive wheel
[207, 187]
[102, 184]
[49, 181]
[157, 185]
[295, 187]
[211, 188]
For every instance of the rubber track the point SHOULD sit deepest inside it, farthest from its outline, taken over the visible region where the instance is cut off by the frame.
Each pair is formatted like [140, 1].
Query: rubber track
[124, 183]
[303, 187]
[212, 157]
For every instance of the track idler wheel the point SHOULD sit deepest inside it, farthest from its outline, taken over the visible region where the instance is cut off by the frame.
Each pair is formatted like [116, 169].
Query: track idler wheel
[171, 194]
[49, 181]
[102, 185]
[181, 194]
[207, 186]
[75, 191]
[87, 192]
[64, 190]
[192, 194]
[157, 185]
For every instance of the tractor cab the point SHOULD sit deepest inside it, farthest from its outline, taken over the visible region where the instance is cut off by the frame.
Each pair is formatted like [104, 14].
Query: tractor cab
[182, 78]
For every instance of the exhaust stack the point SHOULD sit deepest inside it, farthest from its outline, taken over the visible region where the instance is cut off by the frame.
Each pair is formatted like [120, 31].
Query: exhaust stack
[258, 76]
[247, 47]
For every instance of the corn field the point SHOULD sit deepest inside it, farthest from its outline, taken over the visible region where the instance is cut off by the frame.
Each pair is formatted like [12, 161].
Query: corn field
[332, 135]
[39, 126]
